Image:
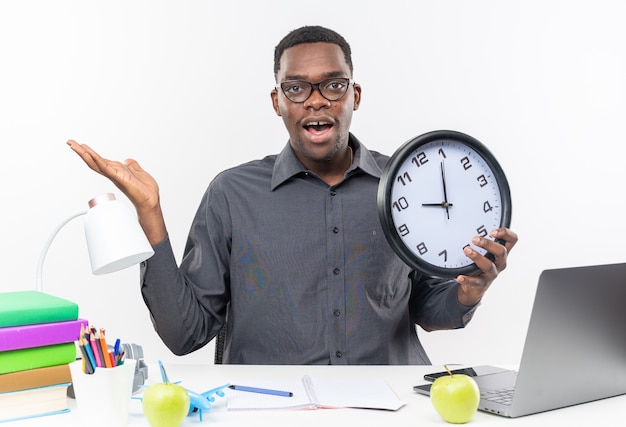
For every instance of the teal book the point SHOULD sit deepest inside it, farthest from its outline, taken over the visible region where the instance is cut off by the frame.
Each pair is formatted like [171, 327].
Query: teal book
[31, 307]
[37, 357]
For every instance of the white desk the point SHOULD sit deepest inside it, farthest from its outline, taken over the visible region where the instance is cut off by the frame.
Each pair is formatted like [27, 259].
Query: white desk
[417, 412]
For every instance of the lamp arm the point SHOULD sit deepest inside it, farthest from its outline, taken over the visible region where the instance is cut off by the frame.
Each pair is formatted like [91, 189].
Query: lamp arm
[42, 257]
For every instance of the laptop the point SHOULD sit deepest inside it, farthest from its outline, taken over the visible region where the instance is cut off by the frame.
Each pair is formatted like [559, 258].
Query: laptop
[575, 348]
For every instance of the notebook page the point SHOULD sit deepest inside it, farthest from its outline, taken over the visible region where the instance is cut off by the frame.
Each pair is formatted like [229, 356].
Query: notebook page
[351, 393]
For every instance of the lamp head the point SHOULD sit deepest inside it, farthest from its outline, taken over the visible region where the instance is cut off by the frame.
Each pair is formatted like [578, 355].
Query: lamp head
[114, 238]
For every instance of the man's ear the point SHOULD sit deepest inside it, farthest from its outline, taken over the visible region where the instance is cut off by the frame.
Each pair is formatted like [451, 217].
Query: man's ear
[274, 96]
[357, 96]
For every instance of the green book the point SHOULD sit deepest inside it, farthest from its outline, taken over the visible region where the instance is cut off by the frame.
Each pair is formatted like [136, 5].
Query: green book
[30, 307]
[37, 357]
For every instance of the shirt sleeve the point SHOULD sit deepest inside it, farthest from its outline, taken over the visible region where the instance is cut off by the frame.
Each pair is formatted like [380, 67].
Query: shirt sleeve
[187, 305]
[434, 304]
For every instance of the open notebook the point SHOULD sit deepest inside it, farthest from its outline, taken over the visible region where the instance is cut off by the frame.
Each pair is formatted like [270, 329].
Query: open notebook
[314, 393]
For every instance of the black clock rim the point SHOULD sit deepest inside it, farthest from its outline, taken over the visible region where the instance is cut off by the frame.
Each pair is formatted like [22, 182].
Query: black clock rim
[384, 203]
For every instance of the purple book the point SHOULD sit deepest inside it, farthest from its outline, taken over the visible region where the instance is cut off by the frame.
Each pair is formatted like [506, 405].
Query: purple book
[41, 334]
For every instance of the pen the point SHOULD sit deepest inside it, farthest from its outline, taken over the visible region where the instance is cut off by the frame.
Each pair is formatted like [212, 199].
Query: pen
[261, 390]
[116, 349]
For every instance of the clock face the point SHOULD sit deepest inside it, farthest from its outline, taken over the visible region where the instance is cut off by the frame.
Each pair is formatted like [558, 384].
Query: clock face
[437, 192]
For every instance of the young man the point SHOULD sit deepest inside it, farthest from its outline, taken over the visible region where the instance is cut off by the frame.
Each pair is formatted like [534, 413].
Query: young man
[288, 250]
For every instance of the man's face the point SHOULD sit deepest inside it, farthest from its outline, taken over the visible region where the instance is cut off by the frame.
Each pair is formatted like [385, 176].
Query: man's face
[318, 128]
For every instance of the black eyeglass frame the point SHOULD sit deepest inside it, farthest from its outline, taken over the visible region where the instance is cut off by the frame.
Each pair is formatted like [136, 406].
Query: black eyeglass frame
[349, 82]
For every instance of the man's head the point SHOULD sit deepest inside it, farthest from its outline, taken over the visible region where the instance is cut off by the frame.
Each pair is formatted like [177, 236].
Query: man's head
[315, 95]
[312, 34]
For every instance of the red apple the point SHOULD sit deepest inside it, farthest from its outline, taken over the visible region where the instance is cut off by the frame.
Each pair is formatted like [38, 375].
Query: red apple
[165, 404]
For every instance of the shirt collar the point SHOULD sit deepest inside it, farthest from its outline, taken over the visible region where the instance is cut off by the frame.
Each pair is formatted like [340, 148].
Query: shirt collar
[287, 164]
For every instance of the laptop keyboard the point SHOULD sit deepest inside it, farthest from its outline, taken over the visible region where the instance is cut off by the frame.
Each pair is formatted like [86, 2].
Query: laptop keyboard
[503, 395]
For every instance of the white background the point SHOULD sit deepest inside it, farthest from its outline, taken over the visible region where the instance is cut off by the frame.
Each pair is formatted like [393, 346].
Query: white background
[183, 86]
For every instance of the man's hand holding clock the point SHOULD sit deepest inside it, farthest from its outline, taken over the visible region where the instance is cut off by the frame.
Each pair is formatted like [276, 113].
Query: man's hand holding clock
[473, 287]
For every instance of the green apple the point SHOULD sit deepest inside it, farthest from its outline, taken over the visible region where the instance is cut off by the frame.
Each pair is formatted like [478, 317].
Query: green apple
[455, 397]
[165, 404]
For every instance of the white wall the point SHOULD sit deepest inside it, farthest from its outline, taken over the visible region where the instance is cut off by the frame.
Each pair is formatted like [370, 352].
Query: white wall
[183, 86]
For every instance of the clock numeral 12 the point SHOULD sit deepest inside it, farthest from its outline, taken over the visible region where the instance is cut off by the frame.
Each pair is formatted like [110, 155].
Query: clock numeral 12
[419, 159]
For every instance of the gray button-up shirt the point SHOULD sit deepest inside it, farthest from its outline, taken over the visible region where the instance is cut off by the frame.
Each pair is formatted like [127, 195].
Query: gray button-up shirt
[301, 272]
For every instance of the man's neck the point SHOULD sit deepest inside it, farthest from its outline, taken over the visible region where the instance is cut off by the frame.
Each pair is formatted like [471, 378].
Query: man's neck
[333, 172]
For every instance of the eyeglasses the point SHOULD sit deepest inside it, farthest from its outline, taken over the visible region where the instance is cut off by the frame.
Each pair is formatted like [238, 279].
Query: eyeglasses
[299, 91]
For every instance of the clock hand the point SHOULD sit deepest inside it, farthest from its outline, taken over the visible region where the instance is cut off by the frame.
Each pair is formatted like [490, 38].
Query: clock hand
[445, 203]
[441, 205]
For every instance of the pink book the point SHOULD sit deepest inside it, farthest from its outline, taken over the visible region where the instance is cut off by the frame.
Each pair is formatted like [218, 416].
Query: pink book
[41, 334]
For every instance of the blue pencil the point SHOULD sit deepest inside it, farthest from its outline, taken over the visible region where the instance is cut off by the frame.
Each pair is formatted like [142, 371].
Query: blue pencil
[261, 390]
[89, 369]
[92, 359]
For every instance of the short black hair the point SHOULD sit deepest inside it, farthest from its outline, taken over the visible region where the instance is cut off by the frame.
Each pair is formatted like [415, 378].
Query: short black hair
[311, 34]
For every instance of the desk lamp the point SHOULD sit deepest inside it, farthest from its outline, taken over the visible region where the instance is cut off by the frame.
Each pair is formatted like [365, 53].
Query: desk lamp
[114, 238]
[115, 241]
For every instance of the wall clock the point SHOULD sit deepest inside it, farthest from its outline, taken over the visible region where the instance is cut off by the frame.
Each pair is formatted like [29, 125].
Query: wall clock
[437, 191]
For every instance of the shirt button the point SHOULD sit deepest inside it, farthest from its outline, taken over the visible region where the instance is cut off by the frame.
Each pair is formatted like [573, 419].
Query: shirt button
[336, 271]
[337, 313]
[335, 230]
[333, 193]
[338, 354]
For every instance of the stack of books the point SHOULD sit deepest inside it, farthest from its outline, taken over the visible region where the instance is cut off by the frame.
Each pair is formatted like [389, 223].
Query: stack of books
[37, 342]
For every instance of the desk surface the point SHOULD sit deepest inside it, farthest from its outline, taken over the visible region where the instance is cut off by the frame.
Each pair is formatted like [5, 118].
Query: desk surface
[418, 410]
